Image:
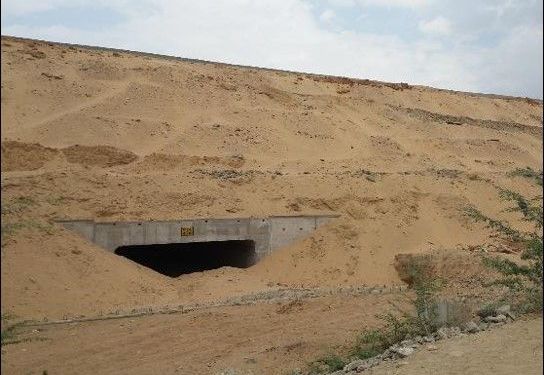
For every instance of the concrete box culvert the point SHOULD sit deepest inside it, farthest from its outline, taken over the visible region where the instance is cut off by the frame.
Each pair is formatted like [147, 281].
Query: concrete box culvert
[176, 247]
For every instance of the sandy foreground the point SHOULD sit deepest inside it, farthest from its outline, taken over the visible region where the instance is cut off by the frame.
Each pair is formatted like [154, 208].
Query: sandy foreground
[232, 338]
[94, 134]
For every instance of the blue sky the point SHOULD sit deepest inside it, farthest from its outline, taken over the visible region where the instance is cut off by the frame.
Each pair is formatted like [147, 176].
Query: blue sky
[493, 46]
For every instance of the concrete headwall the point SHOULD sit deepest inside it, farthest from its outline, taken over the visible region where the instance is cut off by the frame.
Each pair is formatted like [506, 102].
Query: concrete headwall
[268, 234]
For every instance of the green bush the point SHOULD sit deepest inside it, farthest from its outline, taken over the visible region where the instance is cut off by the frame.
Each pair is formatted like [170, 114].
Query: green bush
[529, 173]
[398, 327]
[329, 363]
[524, 277]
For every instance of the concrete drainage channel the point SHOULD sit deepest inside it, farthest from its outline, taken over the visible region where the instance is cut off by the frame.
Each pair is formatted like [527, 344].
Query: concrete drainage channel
[179, 247]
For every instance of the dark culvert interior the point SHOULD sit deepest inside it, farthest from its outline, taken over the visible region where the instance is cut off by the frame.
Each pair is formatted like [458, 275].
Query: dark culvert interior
[181, 258]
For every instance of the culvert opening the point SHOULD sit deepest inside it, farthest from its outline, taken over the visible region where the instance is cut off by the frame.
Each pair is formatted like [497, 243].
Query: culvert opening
[181, 258]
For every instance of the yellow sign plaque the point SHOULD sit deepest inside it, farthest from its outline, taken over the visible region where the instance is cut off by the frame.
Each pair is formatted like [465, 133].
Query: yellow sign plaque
[187, 231]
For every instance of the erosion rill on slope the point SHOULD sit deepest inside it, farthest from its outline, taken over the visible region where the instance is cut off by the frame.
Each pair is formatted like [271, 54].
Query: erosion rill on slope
[177, 247]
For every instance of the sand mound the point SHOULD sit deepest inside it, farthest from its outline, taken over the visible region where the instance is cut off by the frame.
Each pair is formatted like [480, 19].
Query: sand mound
[99, 156]
[20, 156]
[165, 162]
[57, 271]
[455, 267]
[161, 162]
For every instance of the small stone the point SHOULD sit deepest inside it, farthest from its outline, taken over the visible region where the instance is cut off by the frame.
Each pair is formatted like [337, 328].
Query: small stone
[442, 333]
[483, 326]
[419, 339]
[431, 348]
[455, 331]
[510, 315]
[503, 310]
[364, 366]
[386, 354]
[404, 351]
[471, 327]
[354, 365]
[429, 338]
[372, 362]
[496, 319]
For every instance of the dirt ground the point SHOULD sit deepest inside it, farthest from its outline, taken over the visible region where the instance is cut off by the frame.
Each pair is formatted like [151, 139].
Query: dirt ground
[260, 339]
[513, 349]
[93, 134]
[263, 338]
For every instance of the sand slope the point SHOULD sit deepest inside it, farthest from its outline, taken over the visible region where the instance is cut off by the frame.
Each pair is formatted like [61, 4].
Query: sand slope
[118, 136]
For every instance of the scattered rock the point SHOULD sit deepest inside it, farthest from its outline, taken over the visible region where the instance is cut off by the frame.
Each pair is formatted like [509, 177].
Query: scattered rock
[503, 310]
[404, 351]
[510, 315]
[36, 54]
[455, 331]
[496, 319]
[431, 347]
[366, 365]
[386, 354]
[442, 333]
[354, 365]
[52, 76]
[471, 327]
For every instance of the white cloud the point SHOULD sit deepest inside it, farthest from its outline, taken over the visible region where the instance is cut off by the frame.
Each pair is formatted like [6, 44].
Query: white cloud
[501, 7]
[327, 15]
[289, 35]
[269, 34]
[342, 3]
[515, 65]
[438, 25]
[29, 6]
[396, 3]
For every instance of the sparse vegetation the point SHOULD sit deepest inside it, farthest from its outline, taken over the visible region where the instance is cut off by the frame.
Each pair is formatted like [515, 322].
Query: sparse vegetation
[10, 332]
[7, 335]
[17, 205]
[525, 277]
[331, 362]
[474, 177]
[422, 320]
[9, 228]
[529, 173]
[56, 200]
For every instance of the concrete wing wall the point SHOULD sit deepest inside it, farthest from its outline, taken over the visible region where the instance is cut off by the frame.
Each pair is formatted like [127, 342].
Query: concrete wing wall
[268, 234]
[287, 229]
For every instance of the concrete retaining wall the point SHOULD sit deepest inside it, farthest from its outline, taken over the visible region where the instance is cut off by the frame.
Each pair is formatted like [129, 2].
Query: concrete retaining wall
[268, 234]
